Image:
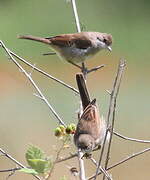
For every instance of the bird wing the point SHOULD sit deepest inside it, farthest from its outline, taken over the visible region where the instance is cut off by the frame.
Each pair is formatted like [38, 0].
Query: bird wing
[66, 40]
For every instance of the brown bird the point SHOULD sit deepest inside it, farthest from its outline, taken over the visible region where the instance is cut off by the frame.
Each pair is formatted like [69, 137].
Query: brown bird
[77, 47]
[91, 127]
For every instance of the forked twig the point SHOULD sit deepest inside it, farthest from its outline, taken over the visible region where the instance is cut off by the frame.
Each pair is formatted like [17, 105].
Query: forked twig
[131, 139]
[33, 83]
[111, 110]
[44, 73]
[121, 162]
[101, 169]
[115, 92]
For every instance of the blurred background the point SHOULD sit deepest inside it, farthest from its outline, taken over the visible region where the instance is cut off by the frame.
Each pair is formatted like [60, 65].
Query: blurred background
[25, 119]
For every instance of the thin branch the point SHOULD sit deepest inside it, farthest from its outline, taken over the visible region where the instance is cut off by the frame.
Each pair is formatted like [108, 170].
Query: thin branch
[80, 154]
[111, 110]
[42, 72]
[115, 91]
[72, 156]
[122, 161]
[67, 158]
[54, 163]
[16, 162]
[9, 170]
[101, 169]
[131, 139]
[33, 84]
[77, 22]
[81, 165]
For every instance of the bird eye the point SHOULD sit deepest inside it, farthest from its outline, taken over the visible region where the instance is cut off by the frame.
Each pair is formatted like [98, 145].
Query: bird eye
[104, 40]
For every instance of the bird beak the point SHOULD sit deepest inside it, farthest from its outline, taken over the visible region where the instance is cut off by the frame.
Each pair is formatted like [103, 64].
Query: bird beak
[109, 48]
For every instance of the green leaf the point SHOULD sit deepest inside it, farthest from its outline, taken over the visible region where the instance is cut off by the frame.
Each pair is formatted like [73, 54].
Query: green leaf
[36, 160]
[28, 171]
[39, 165]
[34, 153]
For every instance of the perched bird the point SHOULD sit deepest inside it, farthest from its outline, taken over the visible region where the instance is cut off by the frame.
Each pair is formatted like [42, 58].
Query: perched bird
[91, 127]
[77, 47]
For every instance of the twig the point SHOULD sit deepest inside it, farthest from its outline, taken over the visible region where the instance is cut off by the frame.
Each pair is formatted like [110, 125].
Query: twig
[16, 162]
[112, 107]
[81, 165]
[131, 139]
[44, 73]
[77, 22]
[72, 156]
[9, 170]
[101, 169]
[33, 84]
[122, 161]
[114, 95]
[67, 158]
[54, 163]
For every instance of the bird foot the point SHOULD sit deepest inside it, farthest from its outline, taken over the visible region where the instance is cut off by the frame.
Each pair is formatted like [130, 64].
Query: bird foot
[86, 71]
[87, 155]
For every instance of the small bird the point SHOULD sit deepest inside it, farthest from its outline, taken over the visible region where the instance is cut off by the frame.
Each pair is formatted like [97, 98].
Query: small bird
[77, 47]
[91, 127]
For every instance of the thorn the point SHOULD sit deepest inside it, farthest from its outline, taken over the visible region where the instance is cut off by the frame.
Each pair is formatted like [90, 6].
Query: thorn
[50, 53]
[108, 92]
[37, 95]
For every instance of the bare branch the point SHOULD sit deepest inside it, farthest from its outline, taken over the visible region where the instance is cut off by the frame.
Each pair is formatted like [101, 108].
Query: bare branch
[72, 156]
[112, 108]
[33, 83]
[54, 163]
[44, 73]
[9, 170]
[114, 95]
[81, 165]
[131, 139]
[67, 158]
[122, 161]
[77, 22]
[101, 169]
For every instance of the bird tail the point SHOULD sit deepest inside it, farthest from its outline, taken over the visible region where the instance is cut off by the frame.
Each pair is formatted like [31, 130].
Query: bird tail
[34, 38]
[84, 94]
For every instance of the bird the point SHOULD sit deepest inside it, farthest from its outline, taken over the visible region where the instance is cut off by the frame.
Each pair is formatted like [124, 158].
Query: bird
[91, 128]
[76, 47]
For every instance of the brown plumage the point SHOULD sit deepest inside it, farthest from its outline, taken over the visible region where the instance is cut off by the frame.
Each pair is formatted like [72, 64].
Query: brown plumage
[91, 127]
[77, 47]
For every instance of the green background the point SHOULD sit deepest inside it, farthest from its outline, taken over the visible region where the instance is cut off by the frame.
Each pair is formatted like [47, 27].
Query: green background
[25, 119]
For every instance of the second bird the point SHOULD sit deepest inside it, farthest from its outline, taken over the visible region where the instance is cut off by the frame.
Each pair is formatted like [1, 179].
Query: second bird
[77, 47]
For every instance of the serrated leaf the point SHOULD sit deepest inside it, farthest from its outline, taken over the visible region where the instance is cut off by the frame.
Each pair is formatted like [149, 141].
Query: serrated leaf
[34, 153]
[37, 160]
[28, 171]
[39, 165]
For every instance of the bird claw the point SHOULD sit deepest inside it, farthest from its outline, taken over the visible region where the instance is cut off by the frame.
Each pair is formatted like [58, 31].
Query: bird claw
[87, 155]
[86, 71]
